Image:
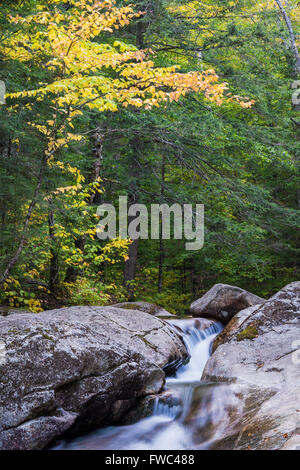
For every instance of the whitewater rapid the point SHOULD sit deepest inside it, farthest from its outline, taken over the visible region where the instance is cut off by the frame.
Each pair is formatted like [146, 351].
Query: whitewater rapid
[186, 417]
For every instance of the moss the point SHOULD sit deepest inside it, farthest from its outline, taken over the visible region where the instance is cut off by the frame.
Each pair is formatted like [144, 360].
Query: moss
[148, 308]
[130, 307]
[50, 338]
[225, 334]
[251, 332]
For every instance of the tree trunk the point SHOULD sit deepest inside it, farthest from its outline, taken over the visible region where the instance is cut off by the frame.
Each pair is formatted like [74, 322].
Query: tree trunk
[72, 272]
[295, 51]
[130, 269]
[140, 35]
[98, 155]
[289, 25]
[130, 265]
[54, 262]
[32, 205]
[161, 242]
[97, 141]
[161, 265]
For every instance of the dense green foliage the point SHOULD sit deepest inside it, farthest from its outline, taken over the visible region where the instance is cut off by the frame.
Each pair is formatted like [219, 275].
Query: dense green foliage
[242, 163]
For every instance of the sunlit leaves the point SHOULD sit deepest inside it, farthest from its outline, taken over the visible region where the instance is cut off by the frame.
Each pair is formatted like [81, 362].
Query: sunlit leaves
[80, 62]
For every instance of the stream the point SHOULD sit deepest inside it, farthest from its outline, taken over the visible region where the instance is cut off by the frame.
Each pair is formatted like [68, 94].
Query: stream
[189, 415]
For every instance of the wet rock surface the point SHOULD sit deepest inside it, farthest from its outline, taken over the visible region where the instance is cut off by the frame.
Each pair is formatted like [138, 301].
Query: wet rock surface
[71, 369]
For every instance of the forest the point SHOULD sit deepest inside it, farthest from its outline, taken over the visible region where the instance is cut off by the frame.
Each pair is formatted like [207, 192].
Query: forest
[162, 101]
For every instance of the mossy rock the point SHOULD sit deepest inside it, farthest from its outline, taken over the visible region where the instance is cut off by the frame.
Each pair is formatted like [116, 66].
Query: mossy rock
[151, 309]
[251, 332]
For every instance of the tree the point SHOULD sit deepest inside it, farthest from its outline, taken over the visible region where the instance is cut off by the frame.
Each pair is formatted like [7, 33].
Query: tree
[290, 28]
[61, 38]
[140, 129]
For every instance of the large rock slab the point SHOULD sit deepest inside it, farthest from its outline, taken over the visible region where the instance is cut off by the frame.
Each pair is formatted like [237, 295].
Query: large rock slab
[257, 359]
[76, 368]
[147, 307]
[222, 302]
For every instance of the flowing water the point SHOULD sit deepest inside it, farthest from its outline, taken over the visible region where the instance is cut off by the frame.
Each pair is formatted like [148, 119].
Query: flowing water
[189, 415]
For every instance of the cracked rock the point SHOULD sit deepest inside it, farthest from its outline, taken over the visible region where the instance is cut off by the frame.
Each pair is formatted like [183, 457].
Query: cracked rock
[69, 370]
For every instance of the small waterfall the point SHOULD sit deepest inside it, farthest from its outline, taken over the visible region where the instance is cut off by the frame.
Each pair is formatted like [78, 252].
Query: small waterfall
[170, 408]
[188, 415]
[197, 330]
[198, 337]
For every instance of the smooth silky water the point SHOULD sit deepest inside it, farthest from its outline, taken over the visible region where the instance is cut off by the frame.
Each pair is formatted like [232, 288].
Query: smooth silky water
[190, 416]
